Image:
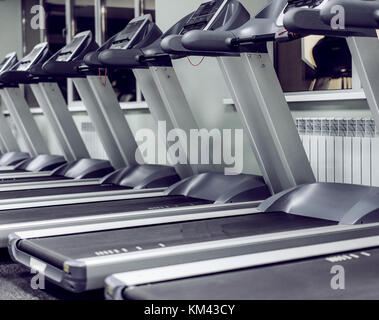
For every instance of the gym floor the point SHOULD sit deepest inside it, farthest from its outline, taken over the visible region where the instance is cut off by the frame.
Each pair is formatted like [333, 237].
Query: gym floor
[15, 284]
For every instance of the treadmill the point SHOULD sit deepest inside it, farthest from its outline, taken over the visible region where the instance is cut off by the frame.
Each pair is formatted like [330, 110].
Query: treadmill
[133, 182]
[292, 265]
[204, 189]
[44, 167]
[101, 249]
[98, 181]
[214, 194]
[41, 164]
[11, 154]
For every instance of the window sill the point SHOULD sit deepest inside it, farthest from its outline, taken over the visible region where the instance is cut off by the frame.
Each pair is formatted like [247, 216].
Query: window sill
[78, 106]
[319, 96]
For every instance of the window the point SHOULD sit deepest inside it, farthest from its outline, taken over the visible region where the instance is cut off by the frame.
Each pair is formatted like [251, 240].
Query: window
[104, 18]
[314, 63]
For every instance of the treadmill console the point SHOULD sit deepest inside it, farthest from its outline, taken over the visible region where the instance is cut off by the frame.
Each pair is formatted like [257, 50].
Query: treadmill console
[126, 38]
[204, 16]
[8, 62]
[311, 4]
[32, 57]
[70, 50]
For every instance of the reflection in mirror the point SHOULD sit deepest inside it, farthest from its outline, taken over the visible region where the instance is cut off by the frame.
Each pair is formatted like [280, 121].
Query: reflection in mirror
[317, 63]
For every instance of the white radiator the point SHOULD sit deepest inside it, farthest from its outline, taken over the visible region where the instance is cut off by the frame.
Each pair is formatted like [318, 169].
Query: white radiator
[92, 141]
[341, 150]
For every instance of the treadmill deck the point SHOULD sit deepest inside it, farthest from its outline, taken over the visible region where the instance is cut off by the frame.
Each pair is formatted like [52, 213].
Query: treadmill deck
[308, 279]
[57, 250]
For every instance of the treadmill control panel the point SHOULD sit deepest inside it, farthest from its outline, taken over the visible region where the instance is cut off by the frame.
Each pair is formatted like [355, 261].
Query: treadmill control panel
[32, 57]
[127, 37]
[7, 62]
[311, 4]
[69, 51]
[204, 16]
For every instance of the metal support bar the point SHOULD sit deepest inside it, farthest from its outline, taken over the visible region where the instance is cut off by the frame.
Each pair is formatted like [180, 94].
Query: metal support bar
[51, 101]
[70, 31]
[3, 149]
[99, 21]
[159, 112]
[366, 63]
[267, 120]
[98, 120]
[23, 118]
[43, 18]
[115, 119]
[177, 107]
[137, 13]
[7, 138]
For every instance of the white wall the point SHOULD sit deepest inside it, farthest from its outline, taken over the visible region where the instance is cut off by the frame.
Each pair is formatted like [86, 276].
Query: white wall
[10, 27]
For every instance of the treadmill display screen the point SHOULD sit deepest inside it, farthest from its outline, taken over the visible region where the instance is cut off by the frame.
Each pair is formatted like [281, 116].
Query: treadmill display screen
[31, 58]
[203, 16]
[125, 38]
[303, 4]
[69, 51]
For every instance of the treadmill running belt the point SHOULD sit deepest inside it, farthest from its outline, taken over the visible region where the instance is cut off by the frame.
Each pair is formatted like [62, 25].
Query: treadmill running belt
[11, 171]
[58, 191]
[33, 179]
[304, 279]
[57, 250]
[96, 208]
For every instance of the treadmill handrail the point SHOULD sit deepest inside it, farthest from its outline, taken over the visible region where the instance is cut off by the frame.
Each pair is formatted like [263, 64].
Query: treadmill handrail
[368, 16]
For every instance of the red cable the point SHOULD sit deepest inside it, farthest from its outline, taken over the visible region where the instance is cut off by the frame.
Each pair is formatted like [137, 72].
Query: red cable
[103, 82]
[193, 64]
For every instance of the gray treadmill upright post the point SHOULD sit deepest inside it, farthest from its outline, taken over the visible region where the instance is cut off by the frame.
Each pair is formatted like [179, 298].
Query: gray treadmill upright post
[51, 101]
[2, 146]
[160, 113]
[9, 142]
[177, 107]
[98, 120]
[115, 119]
[24, 120]
[7, 138]
[279, 148]
[367, 67]
[266, 118]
